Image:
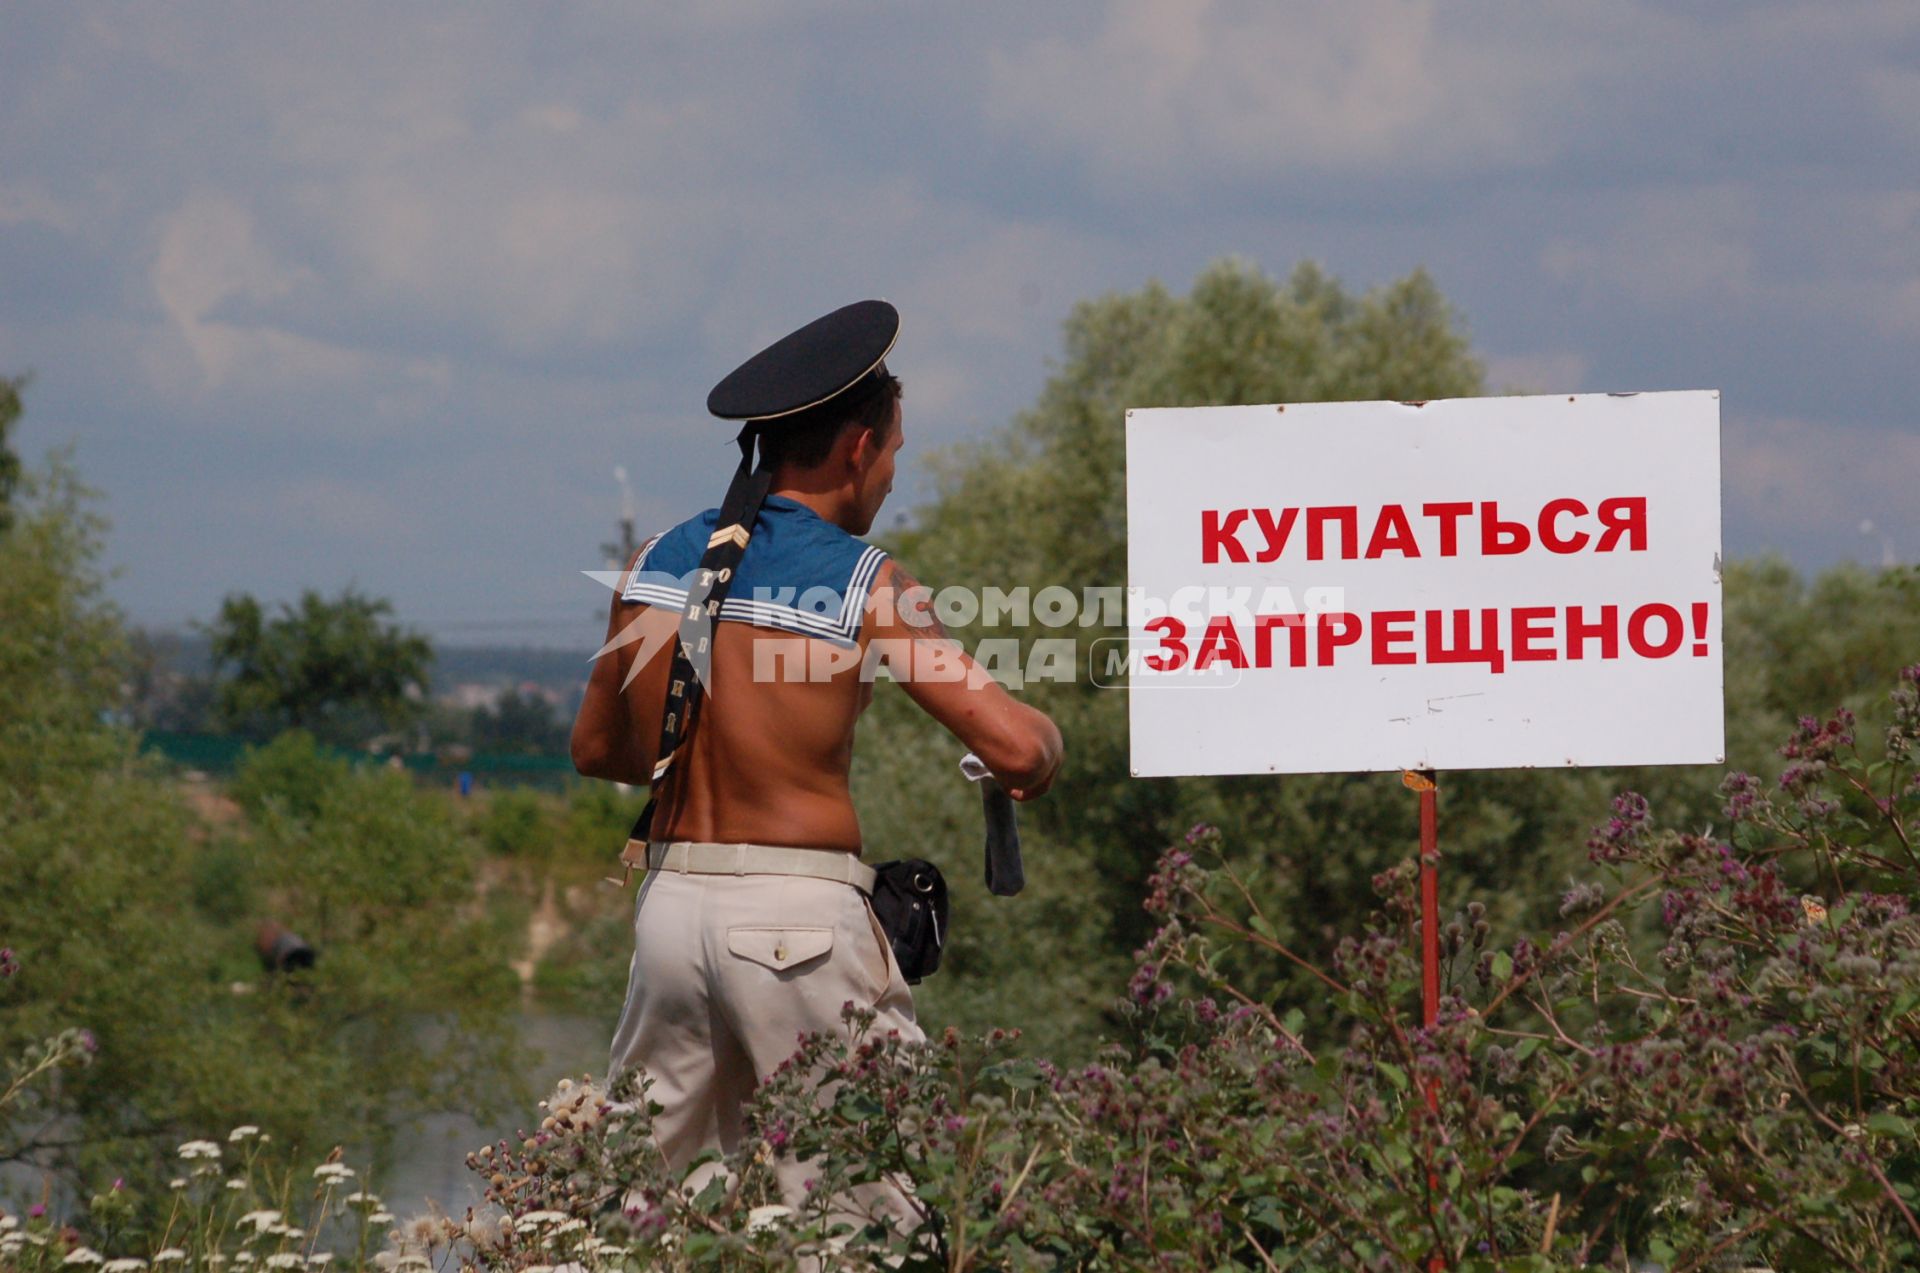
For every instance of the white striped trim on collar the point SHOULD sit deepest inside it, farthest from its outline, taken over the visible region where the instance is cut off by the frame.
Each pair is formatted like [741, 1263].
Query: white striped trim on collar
[843, 629]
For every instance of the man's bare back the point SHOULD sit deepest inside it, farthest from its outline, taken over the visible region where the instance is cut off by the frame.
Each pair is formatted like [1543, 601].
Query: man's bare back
[766, 763]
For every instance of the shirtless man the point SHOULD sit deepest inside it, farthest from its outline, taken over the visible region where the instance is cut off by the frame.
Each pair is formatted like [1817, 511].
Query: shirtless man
[753, 927]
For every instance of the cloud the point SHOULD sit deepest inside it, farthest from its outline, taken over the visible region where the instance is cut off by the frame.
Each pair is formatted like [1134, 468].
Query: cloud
[1666, 246]
[1851, 258]
[1896, 90]
[465, 257]
[208, 256]
[345, 512]
[1798, 480]
[1556, 371]
[31, 203]
[1249, 90]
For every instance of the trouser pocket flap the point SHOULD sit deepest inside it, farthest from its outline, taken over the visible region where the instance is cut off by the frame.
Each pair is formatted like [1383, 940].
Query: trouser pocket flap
[779, 948]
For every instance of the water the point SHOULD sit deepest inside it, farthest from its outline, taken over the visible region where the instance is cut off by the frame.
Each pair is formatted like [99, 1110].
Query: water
[430, 1160]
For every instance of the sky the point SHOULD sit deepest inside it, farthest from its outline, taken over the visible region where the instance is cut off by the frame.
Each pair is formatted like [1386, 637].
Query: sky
[381, 296]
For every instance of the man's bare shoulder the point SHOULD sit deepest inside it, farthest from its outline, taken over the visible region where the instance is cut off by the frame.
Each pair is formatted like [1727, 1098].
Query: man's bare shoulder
[902, 607]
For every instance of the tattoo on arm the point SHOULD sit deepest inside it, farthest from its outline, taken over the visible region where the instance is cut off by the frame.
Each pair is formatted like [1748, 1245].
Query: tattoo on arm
[920, 617]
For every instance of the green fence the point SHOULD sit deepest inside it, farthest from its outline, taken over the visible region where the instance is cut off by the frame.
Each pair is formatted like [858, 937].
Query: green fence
[220, 754]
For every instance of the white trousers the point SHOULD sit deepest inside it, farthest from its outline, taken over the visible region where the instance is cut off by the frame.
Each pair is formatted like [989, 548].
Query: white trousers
[728, 972]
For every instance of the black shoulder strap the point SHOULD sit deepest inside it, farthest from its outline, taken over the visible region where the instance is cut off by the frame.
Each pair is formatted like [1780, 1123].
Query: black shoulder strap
[693, 652]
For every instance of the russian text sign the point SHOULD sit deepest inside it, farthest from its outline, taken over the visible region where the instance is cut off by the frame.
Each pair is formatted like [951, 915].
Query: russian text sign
[1474, 583]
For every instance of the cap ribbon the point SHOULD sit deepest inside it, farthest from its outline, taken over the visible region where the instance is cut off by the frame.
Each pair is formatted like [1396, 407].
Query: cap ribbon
[693, 652]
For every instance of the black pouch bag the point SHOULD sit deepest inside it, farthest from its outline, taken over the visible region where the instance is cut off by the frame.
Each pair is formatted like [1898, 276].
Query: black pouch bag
[910, 901]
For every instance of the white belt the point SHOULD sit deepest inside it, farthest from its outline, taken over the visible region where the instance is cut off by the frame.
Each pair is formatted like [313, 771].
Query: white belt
[698, 857]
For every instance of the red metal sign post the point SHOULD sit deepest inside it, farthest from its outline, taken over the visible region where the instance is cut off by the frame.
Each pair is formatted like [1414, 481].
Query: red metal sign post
[1423, 782]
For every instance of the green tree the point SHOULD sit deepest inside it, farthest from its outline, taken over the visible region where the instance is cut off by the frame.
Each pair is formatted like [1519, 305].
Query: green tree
[520, 724]
[331, 667]
[132, 916]
[1045, 503]
[9, 459]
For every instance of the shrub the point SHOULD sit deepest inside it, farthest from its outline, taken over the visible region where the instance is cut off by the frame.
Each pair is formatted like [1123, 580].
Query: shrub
[1710, 1062]
[291, 772]
[516, 824]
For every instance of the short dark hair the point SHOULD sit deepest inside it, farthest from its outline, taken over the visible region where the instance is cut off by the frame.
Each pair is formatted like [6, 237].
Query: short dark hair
[805, 438]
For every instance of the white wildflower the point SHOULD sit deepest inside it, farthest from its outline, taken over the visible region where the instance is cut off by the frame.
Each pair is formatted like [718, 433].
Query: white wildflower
[8, 1222]
[82, 1255]
[244, 1257]
[361, 1198]
[482, 1234]
[380, 1217]
[570, 1226]
[199, 1149]
[125, 1264]
[577, 1107]
[241, 1132]
[413, 1261]
[425, 1231]
[178, 1182]
[534, 1219]
[286, 1260]
[167, 1254]
[261, 1220]
[236, 1185]
[319, 1259]
[333, 1172]
[766, 1217]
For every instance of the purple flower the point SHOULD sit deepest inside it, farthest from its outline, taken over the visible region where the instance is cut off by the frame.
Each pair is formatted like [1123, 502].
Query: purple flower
[8, 964]
[1743, 794]
[1622, 832]
[1146, 988]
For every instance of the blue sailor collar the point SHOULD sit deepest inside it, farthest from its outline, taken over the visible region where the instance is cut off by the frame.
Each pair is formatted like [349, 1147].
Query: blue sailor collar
[800, 573]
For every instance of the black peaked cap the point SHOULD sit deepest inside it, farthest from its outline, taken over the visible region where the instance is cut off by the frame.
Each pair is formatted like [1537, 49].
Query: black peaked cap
[822, 360]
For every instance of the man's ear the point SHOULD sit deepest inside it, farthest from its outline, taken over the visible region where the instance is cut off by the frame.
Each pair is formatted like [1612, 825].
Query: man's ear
[863, 451]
